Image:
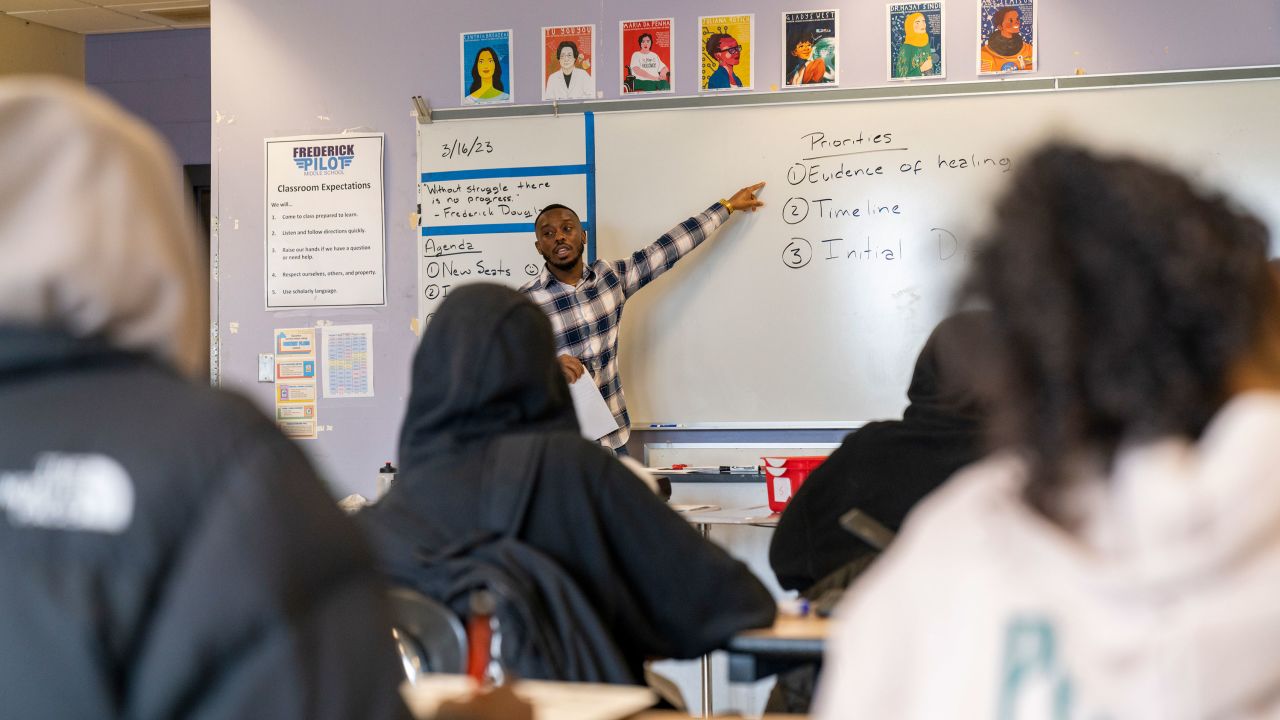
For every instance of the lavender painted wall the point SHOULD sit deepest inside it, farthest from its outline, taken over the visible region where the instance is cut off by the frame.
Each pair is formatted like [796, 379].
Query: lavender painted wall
[162, 77]
[290, 67]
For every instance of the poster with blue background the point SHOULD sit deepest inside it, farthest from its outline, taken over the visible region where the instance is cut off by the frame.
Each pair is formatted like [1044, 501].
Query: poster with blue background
[486, 67]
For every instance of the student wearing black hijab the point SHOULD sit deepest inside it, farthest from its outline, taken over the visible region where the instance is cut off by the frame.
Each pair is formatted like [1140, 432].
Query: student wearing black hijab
[486, 369]
[885, 468]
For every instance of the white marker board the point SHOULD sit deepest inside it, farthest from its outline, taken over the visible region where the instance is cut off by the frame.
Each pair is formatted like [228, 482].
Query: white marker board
[737, 335]
[481, 184]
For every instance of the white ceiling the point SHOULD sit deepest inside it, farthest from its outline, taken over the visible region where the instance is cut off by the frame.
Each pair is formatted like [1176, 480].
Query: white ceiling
[90, 17]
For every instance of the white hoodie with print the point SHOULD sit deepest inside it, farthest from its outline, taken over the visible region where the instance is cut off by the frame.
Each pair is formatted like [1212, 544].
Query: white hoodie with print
[1165, 603]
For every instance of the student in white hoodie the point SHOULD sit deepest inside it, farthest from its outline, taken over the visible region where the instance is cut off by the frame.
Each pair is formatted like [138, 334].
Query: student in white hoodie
[1120, 558]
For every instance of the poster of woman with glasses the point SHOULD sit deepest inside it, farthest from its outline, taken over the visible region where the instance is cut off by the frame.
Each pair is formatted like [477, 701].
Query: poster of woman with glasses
[725, 44]
[569, 53]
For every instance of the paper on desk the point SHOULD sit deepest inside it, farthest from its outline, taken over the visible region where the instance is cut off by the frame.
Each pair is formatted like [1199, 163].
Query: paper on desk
[550, 700]
[594, 418]
[692, 508]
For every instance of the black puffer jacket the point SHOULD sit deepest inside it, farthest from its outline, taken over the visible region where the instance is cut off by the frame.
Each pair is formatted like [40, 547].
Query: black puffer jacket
[166, 552]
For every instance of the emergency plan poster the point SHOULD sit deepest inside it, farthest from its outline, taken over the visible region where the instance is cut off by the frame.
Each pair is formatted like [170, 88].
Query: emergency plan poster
[325, 239]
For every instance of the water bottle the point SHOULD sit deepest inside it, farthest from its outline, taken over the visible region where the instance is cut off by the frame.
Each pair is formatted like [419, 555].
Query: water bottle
[484, 640]
[386, 476]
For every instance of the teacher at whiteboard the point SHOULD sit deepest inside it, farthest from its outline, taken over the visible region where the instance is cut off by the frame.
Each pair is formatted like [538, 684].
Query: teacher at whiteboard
[584, 302]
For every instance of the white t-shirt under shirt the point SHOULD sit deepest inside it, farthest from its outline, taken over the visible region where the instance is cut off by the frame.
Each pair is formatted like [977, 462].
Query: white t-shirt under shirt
[647, 61]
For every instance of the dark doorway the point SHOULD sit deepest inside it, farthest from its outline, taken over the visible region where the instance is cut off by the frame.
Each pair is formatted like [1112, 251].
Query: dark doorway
[198, 189]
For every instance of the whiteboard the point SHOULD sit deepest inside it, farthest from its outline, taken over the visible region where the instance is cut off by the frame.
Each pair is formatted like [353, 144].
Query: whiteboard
[481, 184]
[810, 313]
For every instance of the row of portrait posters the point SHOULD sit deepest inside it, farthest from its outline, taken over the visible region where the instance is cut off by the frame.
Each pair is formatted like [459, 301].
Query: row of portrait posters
[726, 44]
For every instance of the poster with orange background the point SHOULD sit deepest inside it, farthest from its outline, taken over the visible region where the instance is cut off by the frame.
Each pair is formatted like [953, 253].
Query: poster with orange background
[569, 54]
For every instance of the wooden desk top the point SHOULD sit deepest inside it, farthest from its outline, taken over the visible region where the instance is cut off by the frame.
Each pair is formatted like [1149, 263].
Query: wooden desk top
[790, 626]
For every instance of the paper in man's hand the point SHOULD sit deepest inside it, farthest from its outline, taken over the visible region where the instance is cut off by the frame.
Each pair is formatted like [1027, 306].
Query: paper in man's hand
[594, 418]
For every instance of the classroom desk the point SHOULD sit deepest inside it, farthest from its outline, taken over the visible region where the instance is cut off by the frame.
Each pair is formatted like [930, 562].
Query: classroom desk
[558, 700]
[760, 516]
[792, 641]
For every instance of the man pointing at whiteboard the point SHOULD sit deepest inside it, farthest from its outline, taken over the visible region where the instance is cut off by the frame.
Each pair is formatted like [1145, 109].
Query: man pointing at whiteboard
[585, 302]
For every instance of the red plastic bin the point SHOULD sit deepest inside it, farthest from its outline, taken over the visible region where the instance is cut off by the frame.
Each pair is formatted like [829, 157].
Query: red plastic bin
[784, 476]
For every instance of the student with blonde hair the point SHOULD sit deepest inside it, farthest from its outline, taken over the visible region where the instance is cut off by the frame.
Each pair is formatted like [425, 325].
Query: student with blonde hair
[166, 552]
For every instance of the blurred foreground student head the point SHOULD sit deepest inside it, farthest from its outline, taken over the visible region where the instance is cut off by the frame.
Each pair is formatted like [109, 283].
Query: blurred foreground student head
[166, 552]
[498, 489]
[1120, 557]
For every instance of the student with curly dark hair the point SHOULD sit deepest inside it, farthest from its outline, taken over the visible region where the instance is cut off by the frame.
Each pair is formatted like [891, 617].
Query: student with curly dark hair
[1119, 557]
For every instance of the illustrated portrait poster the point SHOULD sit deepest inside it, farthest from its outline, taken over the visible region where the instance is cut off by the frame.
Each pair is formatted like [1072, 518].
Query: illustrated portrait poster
[728, 66]
[645, 56]
[809, 49]
[568, 62]
[1006, 37]
[486, 67]
[915, 41]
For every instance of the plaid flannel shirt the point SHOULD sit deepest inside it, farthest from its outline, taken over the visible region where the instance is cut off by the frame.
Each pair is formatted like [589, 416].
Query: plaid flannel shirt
[585, 318]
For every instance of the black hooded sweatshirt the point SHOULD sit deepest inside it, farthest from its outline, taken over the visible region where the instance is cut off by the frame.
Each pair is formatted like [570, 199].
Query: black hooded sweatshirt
[885, 468]
[486, 367]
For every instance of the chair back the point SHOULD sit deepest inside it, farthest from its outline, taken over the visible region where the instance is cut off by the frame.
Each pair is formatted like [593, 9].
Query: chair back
[429, 637]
